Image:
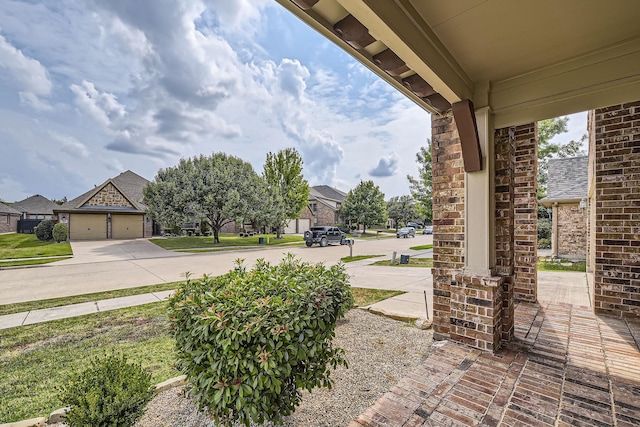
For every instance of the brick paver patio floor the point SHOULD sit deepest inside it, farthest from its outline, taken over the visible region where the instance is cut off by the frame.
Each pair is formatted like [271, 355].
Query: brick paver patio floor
[566, 367]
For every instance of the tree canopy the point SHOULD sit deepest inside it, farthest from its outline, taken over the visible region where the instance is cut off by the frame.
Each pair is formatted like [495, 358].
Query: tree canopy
[547, 130]
[401, 209]
[365, 205]
[287, 189]
[421, 187]
[220, 188]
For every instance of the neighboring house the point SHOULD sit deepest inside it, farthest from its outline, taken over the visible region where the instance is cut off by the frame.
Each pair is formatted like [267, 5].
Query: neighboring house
[324, 206]
[567, 187]
[112, 210]
[8, 219]
[36, 207]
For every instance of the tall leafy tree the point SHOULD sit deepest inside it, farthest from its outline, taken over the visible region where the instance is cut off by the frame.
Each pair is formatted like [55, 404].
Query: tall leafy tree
[547, 130]
[365, 205]
[401, 209]
[220, 188]
[287, 189]
[421, 187]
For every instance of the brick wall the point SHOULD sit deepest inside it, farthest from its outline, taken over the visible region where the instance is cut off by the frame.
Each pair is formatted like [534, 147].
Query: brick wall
[617, 210]
[526, 212]
[10, 226]
[572, 231]
[504, 142]
[448, 217]
[325, 215]
[108, 196]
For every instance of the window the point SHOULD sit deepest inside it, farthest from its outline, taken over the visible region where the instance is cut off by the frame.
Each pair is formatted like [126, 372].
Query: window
[314, 207]
[8, 219]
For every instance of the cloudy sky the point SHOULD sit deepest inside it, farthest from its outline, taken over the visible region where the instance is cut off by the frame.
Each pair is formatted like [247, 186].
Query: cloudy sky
[89, 89]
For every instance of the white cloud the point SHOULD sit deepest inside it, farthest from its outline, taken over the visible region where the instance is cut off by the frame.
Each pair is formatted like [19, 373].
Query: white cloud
[27, 74]
[102, 107]
[387, 166]
[70, 145]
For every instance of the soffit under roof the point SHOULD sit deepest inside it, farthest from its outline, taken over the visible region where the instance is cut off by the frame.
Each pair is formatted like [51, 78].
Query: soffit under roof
[526, 60]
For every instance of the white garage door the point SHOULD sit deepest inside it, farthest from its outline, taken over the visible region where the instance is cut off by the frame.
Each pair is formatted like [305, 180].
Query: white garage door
[127, 226]
[303, 225]
[291, 227]
[87, 226]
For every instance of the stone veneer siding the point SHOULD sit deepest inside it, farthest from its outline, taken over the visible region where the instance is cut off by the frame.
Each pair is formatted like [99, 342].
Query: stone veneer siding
[526, 212]
[572, 231]
[504, 148]
[617, 210]
[448, 217]
[108, 196]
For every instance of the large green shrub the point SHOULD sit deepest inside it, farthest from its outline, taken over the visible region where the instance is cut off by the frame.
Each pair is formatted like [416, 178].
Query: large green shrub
[59, 232]
[109, 392]
[44, 230]
[249, 341]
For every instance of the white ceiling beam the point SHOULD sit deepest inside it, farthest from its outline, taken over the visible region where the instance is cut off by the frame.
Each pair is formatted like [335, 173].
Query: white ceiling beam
[569, 87]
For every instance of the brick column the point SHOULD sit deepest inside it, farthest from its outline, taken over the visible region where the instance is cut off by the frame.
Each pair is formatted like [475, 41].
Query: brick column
[504, 141]
[617, 210]
[526, 212]
[448, 217]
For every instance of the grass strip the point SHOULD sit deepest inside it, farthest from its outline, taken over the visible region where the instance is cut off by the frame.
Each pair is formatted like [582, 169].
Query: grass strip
[562, 265]
[413, 262]
[35, 261]
[421, 247]
[17, 245]
[357, 258]
[34, 359]
[201, 243]
[77, 299]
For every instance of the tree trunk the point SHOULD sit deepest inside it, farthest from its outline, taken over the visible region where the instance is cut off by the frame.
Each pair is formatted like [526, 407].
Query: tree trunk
[364, 228]
[216, 232]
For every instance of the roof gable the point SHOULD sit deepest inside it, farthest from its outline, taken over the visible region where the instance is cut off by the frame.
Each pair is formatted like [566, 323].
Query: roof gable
[36, 205]
[567, 178]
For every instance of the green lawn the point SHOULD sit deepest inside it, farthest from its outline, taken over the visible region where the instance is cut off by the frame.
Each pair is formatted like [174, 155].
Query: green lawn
[202, 243]
[413, 262]
[16, 245]
[34, 261]
[357, 258]
[562, 265]
[35, 359]
[421, 247]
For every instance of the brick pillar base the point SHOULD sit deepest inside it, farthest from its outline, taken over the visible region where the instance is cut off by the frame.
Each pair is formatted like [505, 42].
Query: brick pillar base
[476, 311]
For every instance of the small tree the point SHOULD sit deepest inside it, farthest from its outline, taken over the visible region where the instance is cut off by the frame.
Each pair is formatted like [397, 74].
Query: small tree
[421, 187]
[401, 209]
[288, 189]
[60, 233]
[44, 230]
[365, 205]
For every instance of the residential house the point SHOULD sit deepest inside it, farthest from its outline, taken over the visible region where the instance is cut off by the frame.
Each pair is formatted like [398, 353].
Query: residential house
[324, 206]
[8, 219]
[567, 197]
[36, 207]
[112, 210]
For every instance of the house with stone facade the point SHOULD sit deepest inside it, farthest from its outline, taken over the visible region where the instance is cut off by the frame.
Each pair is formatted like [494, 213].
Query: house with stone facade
[8, 219]
[111, 210]
[567, 198]
[324, 206]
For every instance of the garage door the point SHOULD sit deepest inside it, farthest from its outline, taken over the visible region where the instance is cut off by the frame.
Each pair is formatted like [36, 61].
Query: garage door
[127, 226]
[303, 225]
[87, 226]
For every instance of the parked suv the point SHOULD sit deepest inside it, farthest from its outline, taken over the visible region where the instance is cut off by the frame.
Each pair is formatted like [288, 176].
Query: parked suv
[324, 235]
[406, 232]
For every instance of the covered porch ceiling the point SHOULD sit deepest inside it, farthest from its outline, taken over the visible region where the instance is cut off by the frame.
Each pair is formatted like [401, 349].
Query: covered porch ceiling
[526, 60]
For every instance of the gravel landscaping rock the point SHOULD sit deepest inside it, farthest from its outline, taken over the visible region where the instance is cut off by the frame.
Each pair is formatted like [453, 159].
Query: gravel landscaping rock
[379, 351]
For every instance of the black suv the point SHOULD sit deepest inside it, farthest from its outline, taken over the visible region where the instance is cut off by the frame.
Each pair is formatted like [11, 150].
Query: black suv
[324, 235]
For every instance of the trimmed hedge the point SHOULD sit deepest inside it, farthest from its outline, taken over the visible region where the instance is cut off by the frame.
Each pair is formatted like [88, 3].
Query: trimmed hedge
[44, 230]
[60, 233]
[249, 341]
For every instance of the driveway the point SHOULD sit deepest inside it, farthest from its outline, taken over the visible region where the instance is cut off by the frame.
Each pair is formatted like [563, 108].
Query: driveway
[91, 251]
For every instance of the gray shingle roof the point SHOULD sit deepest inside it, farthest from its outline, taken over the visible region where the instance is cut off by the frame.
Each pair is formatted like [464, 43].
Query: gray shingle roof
[129, 183]
[568, 178]
[37, 205]
[4, 209]
[329, 192]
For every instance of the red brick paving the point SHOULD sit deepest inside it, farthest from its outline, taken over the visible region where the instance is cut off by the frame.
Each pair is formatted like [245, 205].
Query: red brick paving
[566, 367]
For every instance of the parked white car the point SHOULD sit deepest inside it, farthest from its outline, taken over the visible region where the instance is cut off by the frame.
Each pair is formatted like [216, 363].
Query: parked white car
[406, 232]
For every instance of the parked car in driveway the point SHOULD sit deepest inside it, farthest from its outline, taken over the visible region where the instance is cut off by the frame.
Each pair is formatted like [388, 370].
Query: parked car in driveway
[415, 225]
[428, 229]
[406, 232]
